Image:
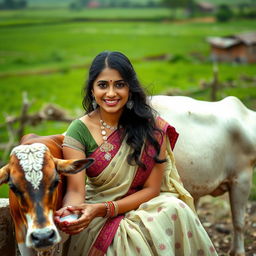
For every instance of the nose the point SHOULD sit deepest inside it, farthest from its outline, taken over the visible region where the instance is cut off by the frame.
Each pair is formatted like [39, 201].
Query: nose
[111, 91]
[43, 239]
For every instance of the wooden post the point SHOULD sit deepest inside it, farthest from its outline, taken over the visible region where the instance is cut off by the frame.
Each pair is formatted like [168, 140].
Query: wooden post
[23, 115]
[214, 83]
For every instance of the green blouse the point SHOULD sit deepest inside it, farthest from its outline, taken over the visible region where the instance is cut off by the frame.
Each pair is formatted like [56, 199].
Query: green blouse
[79, 137]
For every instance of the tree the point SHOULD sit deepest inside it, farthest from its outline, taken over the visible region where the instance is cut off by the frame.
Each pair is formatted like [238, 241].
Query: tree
[13, 4]
[79, 4]
[224, 13]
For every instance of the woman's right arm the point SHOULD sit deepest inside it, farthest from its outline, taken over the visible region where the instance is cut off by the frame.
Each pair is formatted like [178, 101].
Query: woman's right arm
[75, 190]
[75, 196]
[75, 193]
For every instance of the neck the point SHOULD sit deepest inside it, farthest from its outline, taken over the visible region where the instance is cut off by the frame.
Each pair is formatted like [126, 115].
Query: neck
[111, 119]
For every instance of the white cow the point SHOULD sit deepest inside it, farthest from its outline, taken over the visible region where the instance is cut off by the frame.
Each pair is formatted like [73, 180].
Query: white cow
[215, 152]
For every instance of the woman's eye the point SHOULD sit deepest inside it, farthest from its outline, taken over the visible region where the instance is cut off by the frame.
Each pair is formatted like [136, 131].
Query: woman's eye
[102, 85]
[120, 85]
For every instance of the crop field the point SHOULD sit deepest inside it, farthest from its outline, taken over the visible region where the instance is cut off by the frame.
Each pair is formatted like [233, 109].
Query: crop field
[47, 54]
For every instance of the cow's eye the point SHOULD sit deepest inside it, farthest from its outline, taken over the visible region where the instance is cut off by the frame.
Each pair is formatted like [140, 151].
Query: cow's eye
[54, 184]
[15, 189]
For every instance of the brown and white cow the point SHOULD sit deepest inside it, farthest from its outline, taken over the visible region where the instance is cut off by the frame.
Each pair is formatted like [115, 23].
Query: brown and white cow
[33, 174]
[215, 152]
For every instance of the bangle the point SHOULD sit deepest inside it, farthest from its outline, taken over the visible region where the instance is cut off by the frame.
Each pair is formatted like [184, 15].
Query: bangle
[116, 207]
[107, 210]
[111, 209]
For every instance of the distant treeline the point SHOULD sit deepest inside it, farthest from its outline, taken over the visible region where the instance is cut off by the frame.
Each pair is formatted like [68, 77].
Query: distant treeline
[13, 4]
[75, 4]
[223, 10]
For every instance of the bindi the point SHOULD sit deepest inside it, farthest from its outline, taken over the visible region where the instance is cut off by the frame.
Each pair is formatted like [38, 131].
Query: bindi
[110, 81]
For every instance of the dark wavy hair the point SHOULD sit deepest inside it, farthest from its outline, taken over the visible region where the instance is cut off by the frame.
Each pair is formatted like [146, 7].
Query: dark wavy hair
[139, 122]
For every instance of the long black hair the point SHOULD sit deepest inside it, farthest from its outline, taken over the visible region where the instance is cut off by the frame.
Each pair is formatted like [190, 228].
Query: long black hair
[138, 122]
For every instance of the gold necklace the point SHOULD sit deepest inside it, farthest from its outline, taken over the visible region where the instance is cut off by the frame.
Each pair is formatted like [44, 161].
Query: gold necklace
[107, 126]
[106, 146]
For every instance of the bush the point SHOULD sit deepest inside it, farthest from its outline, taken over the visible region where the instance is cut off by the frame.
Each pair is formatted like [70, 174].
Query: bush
[224, 13]
[13, 4]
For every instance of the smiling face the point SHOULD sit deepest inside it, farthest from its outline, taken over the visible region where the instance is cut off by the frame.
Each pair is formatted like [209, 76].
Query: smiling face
[111, 92]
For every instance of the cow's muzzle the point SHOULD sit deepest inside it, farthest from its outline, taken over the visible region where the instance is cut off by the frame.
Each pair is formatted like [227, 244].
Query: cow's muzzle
[44, 238]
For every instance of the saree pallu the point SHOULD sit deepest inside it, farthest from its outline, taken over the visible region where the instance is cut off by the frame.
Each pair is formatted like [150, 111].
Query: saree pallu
[165, 225]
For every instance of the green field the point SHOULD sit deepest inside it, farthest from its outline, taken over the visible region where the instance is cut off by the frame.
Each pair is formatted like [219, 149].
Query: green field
[47, 3]
[47, 53]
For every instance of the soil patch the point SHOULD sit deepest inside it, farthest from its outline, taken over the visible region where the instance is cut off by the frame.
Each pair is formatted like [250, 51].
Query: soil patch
[215, 216]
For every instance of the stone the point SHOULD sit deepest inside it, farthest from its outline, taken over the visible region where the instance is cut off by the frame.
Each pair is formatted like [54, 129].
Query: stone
[7, 237]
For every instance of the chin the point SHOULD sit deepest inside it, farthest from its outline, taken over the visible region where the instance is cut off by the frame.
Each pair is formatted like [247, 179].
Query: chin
[112, 109]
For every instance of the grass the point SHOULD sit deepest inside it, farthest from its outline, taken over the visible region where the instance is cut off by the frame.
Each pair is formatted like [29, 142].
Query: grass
[44, 45]
[157, 76]
[37, 40]
[64, 3]
[58, 15]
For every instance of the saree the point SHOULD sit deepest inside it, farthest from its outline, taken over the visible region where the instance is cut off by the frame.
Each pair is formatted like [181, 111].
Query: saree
[164, 225]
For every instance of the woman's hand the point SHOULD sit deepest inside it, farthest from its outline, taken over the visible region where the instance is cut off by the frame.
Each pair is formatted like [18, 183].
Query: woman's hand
[86, 213]
[62, 212]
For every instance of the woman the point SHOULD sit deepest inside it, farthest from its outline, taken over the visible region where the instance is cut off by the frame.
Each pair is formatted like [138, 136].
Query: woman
[135, 203]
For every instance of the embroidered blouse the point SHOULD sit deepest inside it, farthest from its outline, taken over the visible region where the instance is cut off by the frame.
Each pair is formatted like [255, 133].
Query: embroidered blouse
[79, 137]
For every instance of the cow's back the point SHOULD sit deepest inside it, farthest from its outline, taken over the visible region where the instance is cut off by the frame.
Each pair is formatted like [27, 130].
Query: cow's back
[213, 135]
[53, 142]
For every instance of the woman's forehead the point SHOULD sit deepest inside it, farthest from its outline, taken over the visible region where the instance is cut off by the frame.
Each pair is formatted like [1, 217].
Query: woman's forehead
[109, 74]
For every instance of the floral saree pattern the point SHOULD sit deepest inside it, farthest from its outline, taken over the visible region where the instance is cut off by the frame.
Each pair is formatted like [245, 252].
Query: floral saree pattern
[165, 225]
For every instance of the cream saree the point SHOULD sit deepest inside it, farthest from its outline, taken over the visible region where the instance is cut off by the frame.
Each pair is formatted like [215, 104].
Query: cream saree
[165, 225]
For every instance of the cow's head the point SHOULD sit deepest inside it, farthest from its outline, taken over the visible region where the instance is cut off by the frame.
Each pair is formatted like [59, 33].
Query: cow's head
[33, 176]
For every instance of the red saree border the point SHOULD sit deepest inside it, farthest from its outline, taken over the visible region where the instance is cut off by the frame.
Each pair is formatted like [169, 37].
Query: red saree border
[108, 231]
[169, 130]
[142, 174]
[98, 166]
[115, 139]
[106, 236]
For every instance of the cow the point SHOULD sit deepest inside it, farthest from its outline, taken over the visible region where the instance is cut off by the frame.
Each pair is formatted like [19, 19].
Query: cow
[34, 174]
[215, 152]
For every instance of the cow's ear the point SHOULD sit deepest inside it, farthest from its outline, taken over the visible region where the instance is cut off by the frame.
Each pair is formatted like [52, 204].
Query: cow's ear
[66, 167]
[4, 174]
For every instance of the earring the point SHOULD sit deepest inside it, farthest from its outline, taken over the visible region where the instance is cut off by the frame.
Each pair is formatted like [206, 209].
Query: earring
[94, 104]
[129, 104]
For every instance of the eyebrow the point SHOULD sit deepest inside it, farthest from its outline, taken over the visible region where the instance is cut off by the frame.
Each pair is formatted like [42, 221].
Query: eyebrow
[106, 81]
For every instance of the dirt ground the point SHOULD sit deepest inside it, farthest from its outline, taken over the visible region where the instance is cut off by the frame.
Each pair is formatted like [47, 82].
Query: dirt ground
[215, 216]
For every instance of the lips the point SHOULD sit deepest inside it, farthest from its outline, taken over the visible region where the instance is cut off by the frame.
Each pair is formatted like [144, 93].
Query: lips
[111, 102]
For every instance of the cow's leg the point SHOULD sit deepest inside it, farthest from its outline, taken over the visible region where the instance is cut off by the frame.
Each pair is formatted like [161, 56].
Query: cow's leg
[239, 193]
[196, 202]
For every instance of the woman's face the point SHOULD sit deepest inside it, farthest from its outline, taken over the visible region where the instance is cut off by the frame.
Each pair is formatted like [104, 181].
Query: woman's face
[111, 92]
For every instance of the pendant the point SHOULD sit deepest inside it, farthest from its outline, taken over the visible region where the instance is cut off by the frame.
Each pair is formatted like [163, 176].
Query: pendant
[107, 156]
[106, 146]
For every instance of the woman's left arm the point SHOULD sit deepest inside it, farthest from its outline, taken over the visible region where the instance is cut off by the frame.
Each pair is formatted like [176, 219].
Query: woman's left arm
[150, 189]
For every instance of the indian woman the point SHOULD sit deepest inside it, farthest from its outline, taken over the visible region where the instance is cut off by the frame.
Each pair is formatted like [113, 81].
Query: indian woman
[131, 200]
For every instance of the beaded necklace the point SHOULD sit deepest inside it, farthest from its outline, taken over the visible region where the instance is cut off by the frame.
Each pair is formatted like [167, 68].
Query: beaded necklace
[106, 146]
